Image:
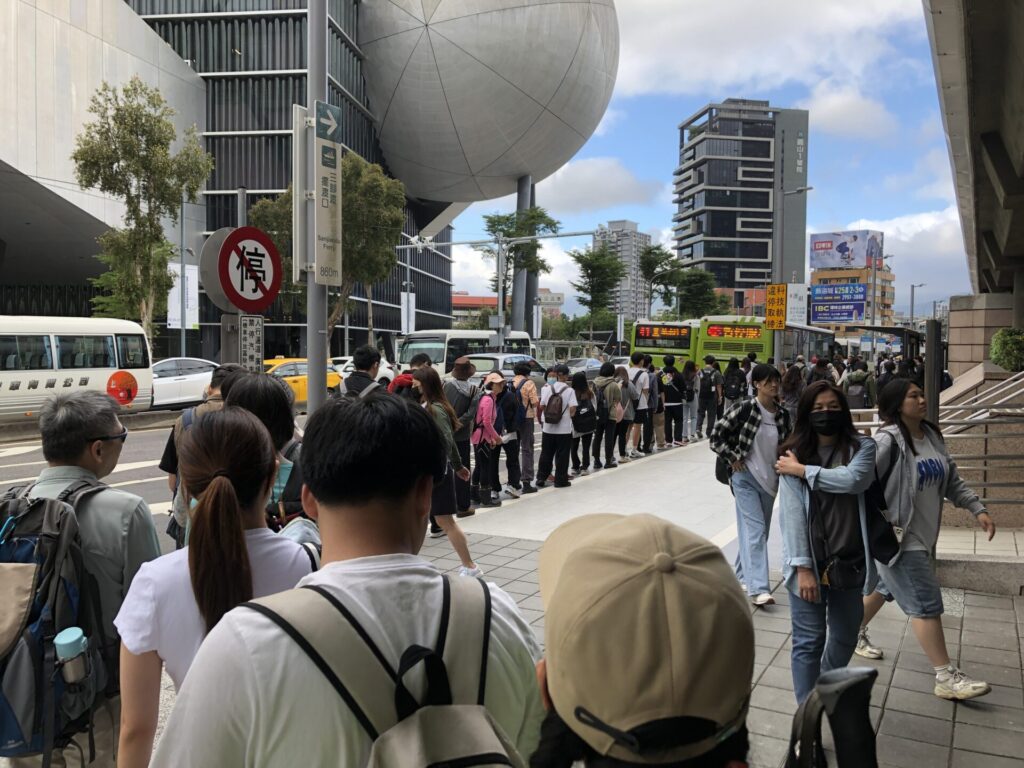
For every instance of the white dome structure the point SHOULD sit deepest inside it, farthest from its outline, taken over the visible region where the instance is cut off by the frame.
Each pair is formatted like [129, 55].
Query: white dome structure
[470, 95]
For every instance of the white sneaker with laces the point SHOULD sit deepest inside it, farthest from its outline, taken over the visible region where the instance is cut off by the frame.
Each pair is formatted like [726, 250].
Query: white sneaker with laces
[474, 572]
[954, 685]
[515, 493]
[763, 599]
[635, 454]
[865, 648]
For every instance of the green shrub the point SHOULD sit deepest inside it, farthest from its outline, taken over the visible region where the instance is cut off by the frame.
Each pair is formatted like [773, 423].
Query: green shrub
[1007, 349]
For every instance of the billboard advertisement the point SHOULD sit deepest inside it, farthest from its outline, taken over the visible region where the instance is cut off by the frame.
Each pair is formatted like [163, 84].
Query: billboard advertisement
[839, 303]
[847, 250]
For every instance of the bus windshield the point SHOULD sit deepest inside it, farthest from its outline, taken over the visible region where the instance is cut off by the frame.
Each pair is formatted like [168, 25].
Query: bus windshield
[430, 346]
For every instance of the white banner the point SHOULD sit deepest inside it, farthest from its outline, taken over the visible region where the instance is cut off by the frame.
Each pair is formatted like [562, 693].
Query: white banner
[796, 303]
[407, 301]
[191, 297]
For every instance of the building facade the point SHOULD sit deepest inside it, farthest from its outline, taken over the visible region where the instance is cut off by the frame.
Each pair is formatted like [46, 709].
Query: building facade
[550, 303]
[253, 61]
[632, 298]
[736, 159]
[878, 309]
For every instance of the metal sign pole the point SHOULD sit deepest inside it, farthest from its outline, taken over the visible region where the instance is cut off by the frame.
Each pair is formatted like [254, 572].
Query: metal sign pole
[316, 301]
[182, 281]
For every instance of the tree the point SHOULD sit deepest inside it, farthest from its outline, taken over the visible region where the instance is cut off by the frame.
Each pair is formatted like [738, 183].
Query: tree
[658, 268]
[274, 216]
[126, 153]
[600, 271]
[478, 322]
[533, 221]
[696, 294]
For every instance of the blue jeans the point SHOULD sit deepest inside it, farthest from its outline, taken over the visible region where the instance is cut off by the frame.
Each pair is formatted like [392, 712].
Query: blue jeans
[824, 635]
[753, 520]
[690, 419]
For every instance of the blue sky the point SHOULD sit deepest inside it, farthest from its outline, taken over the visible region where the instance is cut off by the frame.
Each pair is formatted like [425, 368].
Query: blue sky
[877, 155]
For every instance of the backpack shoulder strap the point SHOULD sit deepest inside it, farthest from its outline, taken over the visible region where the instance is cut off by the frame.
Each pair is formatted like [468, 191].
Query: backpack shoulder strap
[313, 553]
[464, 637]
[187, 417]
[369, 389]
[339, 646]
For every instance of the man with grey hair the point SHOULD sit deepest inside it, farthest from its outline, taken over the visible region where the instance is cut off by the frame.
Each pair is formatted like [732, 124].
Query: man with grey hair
[82, 441]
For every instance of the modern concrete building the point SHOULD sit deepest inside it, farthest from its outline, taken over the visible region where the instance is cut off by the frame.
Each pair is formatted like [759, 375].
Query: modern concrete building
[633, 296]
[736, 161]
[884, 294]
[54, 57]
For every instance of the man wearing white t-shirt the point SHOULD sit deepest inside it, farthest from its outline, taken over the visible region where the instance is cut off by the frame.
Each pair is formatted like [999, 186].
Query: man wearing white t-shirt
[253, 696]
[556, 439]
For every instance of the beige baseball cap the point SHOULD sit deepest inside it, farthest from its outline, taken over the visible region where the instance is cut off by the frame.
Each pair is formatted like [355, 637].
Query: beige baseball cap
[644, 622]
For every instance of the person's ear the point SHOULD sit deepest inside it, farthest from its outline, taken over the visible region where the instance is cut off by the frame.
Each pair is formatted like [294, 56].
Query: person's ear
[542, 683]
[309, 505]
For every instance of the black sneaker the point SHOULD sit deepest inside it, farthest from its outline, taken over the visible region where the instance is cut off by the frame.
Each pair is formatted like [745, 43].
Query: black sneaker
[489, 500]
[465, 513]
[540, 484]
[598, 465]
[527, 488]
[566, 484]
[611, 465]
[700, 435]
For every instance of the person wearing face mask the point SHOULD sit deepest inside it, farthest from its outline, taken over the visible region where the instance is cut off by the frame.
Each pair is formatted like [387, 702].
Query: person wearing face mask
[826, 468]
[485, 438]
[748, 438]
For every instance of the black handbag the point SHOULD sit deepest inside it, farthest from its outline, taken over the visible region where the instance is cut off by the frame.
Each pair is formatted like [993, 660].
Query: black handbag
[883, 543]
[723, 471]
[842, 573]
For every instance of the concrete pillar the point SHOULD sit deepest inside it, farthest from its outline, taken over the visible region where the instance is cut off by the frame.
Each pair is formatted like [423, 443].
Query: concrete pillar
[1018, 299]
[531, 277]
[519, 308]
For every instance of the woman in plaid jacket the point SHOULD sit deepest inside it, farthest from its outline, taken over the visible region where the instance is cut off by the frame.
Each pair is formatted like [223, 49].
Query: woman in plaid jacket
[748, 437]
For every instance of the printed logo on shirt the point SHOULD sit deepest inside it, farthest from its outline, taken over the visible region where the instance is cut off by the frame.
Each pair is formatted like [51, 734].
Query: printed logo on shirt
[930, 473]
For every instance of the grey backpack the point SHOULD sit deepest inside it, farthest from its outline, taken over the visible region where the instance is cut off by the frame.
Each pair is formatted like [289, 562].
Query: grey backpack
[451, 727]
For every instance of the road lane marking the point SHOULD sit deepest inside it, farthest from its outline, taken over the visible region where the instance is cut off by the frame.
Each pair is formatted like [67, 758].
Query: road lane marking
[725, 537]
[162, 478]
[160, 507]
[119, 468]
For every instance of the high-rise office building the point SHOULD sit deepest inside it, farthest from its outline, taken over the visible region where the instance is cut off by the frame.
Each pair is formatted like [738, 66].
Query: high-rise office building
[736, 161]
[632, 298]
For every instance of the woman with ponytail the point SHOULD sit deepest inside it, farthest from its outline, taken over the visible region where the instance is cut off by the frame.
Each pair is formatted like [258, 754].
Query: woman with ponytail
[228, 465]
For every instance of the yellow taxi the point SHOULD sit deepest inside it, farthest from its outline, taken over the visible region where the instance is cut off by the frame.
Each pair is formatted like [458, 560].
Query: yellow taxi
[293, 372]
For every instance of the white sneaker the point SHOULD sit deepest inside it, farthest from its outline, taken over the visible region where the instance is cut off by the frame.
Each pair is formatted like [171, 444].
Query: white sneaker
[954, 685]
[474, 572]
[635, 454]
[624, 459]
[438, 534]
[515, 493]
[763, 599]
[865, 648]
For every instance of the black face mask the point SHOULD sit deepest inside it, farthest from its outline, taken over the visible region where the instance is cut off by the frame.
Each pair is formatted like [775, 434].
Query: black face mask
[827, 423]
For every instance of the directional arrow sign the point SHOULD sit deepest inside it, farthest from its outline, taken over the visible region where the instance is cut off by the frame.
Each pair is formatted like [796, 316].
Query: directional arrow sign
[327, 253]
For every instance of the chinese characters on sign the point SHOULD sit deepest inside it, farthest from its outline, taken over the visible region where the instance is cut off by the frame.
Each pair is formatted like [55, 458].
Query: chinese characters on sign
[775, 307]
[664, 336]
[838, 303]
[327, 253]
[249, 266]
[250, 342]
[744, 332]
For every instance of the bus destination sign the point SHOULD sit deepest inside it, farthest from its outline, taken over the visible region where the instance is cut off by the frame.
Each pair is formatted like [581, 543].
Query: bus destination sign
[664, 336]
[744, 332]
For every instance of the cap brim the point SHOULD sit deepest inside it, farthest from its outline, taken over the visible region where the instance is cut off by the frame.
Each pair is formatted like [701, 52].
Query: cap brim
[562, 542]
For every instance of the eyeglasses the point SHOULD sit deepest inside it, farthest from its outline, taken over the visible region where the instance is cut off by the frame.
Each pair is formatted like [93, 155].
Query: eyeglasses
[122, 437]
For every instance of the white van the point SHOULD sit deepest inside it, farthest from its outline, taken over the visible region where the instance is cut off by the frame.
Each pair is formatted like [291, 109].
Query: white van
[446, 345]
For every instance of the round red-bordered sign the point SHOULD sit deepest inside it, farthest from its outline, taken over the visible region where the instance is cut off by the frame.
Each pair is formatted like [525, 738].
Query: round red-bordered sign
[249, 268]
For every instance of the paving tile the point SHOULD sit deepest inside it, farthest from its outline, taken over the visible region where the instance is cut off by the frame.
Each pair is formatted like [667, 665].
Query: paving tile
[764, 722]
[916, 662]
[922, 682]
[521, 588]
[988, 640]
[500, 541]
[1005, 696]
[766, 656]
[508, 573]
[962, 759]
[777, 677]
[768, 639]
[988, 601]
[492, 559]
[1002, 628]
[951, 622]
[531, 576]
[972, 612]
[916, 727]
[994, 675]
[983, 712]
[915, 703]
[526, 563]
[532, 602]
[531, 616]
[1010, 658]
[910, 754]
[990, 741]
[766, 752]
[784, 658]
[772, 624]
[774, 699]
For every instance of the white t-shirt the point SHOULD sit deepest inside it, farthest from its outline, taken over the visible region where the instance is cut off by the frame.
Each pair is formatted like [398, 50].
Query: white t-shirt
[564, 425]
[254, 698]
[761, 460]
[160, 612]
[639, 377]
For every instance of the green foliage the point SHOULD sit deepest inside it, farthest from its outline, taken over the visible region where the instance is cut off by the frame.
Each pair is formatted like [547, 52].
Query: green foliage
[600, 271]
[479, 321]
[697, 295]
[274, 216]
[660, 271]
[533, 221]
[126, 153]
[1007, 349]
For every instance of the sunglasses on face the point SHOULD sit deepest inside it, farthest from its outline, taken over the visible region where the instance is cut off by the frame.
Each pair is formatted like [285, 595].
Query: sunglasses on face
[122, 437]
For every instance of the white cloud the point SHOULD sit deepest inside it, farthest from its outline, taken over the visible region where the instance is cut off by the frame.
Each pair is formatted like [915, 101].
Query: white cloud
[734, 47]
[582, 186]
[930, 179]
[611, 117]
[842, 110]
[927, 248]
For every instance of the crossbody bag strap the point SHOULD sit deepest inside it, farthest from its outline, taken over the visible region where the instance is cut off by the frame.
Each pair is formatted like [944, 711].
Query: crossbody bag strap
[464, 637]
[341, 649]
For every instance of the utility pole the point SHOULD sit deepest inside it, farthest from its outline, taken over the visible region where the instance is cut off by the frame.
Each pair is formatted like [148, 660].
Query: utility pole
[913, 287]
[316, 294]
[778, 275]
[182, 282]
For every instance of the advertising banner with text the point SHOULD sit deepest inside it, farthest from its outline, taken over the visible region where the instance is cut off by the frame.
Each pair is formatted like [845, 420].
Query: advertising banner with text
[847, 250]
[838, 303]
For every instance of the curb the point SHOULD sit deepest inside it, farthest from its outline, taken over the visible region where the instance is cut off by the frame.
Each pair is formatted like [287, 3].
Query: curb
[992, 574]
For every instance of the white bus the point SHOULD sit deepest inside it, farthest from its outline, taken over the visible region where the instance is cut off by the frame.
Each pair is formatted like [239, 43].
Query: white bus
[446, 345]
[40, 356]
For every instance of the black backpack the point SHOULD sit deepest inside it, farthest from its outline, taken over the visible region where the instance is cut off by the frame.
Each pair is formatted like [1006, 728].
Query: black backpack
[519, 417]
[735, 385]
[601, 407]
[707, 384]
[50, 591]
[585, 420]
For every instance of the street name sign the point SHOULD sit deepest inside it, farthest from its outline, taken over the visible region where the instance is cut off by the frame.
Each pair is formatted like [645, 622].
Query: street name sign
[327, 253]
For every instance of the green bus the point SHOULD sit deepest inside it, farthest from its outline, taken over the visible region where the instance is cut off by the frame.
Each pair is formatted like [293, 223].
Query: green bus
[726, 336]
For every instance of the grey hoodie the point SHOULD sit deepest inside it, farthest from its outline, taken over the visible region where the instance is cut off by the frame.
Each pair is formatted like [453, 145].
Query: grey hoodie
[899, 490]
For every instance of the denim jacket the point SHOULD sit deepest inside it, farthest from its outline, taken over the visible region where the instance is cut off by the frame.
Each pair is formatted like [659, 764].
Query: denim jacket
[795, 509]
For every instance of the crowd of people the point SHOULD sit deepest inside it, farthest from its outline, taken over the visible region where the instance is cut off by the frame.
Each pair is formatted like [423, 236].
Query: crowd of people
[296, 604]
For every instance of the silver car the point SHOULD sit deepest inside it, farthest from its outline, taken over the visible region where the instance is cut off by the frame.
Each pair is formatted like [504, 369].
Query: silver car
[487, 362]
[589, 365]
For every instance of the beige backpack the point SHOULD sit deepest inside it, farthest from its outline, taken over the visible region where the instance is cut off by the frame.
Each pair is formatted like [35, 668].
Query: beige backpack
[451, 727]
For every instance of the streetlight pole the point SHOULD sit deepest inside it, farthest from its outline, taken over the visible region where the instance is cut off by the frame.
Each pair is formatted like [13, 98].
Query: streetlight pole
[778, 274]
[913, 287]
